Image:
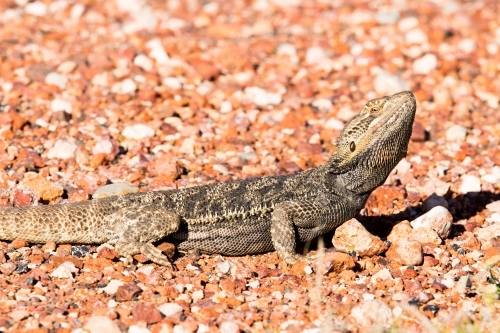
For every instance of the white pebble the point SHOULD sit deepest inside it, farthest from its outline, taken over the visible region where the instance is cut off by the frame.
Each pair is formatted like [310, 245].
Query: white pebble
[157, 51]
[56, 79]
[64, 271]
[425, 64]
[470, 183]
[112, 287]
[114, 189]
[143, 62]
[60, 105]
[323, 104]
[456, 133]
[438, 219]
[169, 309]
[261, 97]
[126, 86]
[99, 324]
[138, 132]
[62, 149]
[334, 124]
[36, 8]
[138, 329]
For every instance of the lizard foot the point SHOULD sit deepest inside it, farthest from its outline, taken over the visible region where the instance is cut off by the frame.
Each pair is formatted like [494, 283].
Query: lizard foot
[147, 249]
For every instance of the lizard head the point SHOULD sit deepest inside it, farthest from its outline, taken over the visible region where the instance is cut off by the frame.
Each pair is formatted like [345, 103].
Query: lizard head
[373, 142]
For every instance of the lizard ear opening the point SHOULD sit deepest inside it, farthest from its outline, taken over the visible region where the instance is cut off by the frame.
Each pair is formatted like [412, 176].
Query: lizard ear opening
[352, 146]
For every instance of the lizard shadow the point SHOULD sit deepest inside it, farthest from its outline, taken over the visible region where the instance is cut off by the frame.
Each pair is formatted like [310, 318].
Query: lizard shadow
[461, 207]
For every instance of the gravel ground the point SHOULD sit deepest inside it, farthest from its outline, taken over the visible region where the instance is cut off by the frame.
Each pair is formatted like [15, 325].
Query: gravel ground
[164, 94]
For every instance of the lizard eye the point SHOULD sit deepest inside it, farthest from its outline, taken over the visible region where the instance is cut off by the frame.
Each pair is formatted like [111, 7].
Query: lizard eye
[352, 146]
[375, 110]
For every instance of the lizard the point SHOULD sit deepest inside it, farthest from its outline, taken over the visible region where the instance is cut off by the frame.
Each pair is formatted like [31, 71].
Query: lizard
[238, 217]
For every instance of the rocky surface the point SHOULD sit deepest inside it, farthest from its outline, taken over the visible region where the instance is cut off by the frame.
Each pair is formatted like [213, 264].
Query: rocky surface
[146, 95]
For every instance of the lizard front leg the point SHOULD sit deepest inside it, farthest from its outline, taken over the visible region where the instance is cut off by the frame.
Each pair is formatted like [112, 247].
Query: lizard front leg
[138, 227]
[288, 216]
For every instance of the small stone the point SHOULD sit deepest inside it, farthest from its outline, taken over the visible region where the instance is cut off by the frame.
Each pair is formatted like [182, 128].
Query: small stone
[157, 52]
[67, 67]
[56, 79]
[36, 8]
[406, 252]
[146, 313]
[470, 183]
[323, 104]
[418, 133]
[388, 84]
[315, 54]
[494, 206]
[400, 231]
[19, 315]
[138, 132]
[143, 62]
[484, 235]
[241, 271]
[19, 243]
[59, 105]
[65, 270]
[147, 274]
[229, 327]
[114, 189]
[166, 168]
[352, 236]
[127, 292]
[334, 124]
[125, 87]
[382, 275]
[224, 267]
[112, 287]
[63, 149]
[99, 324]
[372, 313]
[107, 253]
[170, 309]
[456, 133]
[8, 268]
[260, 97]
[434, 201]
[138, 329]
[438, 219]
[425, 64]
[337, 262]
[425, 235]
[167, 248]
[44, 189]
[49, 247]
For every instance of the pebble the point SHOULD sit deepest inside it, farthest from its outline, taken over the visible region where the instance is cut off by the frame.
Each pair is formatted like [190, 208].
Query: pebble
[36, 8]
[434, 201]
[224, 266]
[113, 286]
[438, 219]
[65, 270]
[388, 84]
[63, 150]
[373, 313]
[406, 252]
[494, 206]
[170, 309]
[99, 324]
[127, 86]
[138, 132]
[138, 329]
[290, 50]
[146, 313]
[157, 52]
[260, 97]
[425, 64]
[334, 124]
[352, 236]
[315, 54]
[58, 105]
[114, 189]
[229, 327]
[127, 292]
[387, 16]
[400, 231]
[456, 133]
[56, 79]
[322, 104]
[147, 274]
[8, 268]
[19, 314]
[470, 184]
[143, 62]
[484, 235]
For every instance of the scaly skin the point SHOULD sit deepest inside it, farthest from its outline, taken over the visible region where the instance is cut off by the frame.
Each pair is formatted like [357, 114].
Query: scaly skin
[237, 217]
